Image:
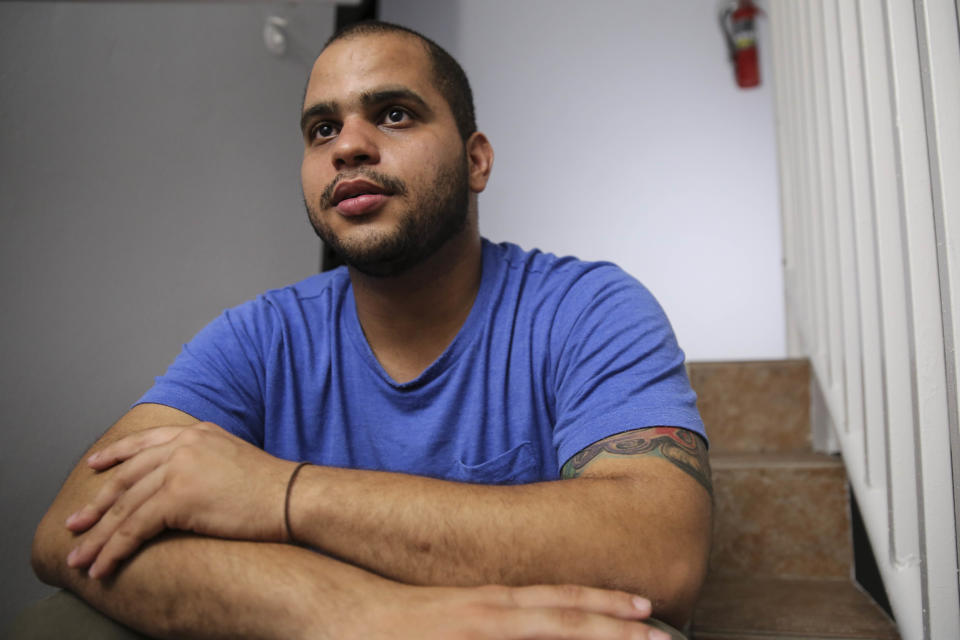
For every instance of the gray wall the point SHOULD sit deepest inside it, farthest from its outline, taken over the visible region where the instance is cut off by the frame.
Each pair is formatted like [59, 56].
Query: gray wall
[149, 178]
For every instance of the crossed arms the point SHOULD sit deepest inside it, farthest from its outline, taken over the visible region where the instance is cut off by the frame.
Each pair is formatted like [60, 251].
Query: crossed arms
[400, 555]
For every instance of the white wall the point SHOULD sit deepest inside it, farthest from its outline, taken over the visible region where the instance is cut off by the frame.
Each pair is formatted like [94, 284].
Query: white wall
[620, 135]
[149, 177]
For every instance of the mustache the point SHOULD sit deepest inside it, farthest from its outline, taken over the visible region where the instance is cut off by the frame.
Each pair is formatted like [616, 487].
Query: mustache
[393, 186]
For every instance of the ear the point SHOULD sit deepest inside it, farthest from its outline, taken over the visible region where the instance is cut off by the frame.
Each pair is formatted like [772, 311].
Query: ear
[480, 161]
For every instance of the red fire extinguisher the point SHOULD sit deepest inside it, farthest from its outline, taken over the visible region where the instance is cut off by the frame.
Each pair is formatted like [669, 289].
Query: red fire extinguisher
[737, 21]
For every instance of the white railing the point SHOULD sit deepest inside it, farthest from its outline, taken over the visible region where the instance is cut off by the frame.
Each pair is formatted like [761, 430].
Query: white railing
[867, 98]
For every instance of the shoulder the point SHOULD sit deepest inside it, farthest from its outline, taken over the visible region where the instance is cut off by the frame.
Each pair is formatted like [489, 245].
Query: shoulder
[316, 287]
[318, 290]
[568, 285]
[296, 307]
[550, 269]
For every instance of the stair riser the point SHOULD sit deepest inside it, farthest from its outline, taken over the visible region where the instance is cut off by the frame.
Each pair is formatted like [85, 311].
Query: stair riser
[754, 406]
[781, 522]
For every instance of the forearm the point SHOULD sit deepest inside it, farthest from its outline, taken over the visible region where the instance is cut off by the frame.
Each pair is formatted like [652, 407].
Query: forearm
[182, 585]
[186, 586]
[616, 532]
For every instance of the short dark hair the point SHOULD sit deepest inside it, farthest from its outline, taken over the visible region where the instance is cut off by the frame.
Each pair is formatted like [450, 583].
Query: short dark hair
[449, 75]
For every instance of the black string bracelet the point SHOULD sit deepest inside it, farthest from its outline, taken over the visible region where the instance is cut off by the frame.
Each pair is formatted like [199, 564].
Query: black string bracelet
[286, 500]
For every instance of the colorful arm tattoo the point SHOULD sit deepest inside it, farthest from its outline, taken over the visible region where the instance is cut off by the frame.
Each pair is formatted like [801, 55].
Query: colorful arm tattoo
[680, 447]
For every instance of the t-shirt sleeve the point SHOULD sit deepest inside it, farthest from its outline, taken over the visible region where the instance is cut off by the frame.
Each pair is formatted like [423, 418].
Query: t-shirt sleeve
[619, 366]
[219, 375]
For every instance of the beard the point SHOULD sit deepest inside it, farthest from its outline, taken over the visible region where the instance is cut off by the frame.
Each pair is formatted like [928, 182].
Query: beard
[432, 218]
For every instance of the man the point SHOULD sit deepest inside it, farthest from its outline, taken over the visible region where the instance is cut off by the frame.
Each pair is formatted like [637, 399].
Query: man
[438, 386]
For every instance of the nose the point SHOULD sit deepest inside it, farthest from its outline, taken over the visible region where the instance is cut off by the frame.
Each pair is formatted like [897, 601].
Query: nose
[355, 145]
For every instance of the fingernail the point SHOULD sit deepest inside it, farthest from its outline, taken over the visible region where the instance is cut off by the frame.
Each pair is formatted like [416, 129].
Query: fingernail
[72, 518]
[93, 458]
[656, 634]
[72, 557]
[642, 604]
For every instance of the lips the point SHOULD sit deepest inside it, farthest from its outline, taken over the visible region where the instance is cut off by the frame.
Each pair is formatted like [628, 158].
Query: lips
[355, 189]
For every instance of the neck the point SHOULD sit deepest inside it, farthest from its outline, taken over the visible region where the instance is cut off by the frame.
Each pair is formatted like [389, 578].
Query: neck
[409, 319]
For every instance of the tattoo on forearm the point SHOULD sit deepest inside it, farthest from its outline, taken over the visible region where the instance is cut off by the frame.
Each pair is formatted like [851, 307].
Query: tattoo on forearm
[680, 447]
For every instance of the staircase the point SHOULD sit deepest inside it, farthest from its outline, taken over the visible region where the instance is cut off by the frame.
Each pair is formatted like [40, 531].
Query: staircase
[782, 558]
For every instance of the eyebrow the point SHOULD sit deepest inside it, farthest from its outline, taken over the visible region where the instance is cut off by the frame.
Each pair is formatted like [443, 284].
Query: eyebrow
[367, 99]
[318, 110]
[391, 94]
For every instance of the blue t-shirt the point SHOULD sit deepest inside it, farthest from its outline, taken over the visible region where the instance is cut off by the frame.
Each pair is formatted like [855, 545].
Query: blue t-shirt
[555, 355]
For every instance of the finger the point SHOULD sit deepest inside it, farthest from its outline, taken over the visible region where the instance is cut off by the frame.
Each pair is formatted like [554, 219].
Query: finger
[126, 476]
[614, 603]
[97, 537]
[129, 446]
[572, 624]
[143, 524]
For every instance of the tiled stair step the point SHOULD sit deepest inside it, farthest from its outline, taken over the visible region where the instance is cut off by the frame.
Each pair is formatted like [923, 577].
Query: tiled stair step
[780, 516]
[754, 406]
[754, 609]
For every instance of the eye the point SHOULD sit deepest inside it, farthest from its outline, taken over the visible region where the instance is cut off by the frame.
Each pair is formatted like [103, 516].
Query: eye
[322, 131]
[396, 115]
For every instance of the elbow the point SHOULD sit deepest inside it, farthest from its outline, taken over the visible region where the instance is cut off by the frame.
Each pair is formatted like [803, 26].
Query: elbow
[43, 556]
[680, 590]
[673, 578]
[684, 575]
[673, 588]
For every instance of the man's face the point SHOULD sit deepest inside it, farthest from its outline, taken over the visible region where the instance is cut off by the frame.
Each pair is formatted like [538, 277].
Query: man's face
[384, 173]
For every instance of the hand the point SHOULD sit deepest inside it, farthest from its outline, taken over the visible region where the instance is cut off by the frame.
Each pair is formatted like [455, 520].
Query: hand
[197, 478]
[504, 613]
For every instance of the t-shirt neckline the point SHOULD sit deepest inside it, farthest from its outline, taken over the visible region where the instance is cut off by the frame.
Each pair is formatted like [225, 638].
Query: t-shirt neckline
[468, 332]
